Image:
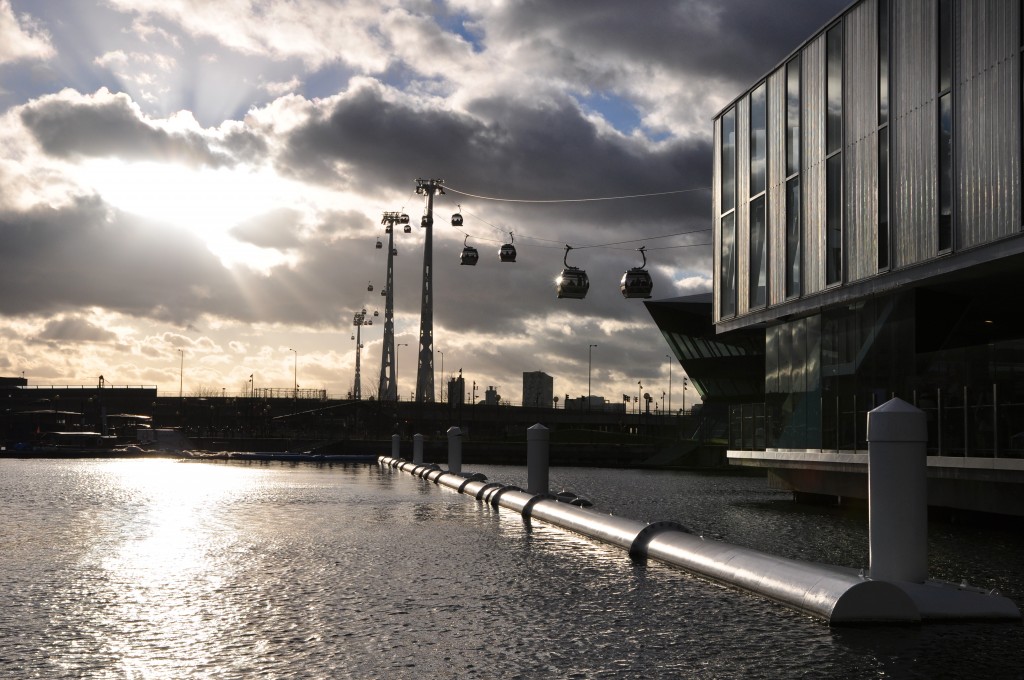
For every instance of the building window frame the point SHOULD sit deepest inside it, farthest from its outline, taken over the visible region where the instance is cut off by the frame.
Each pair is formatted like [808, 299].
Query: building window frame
[883, 235]
[794, 140]
[757, 294]
[727, 214]
[945, 125]
[834, 136]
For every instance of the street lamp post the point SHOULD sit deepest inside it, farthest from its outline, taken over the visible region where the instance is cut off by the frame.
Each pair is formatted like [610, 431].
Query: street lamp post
[181, 374]
[639, 390]
[669, 384]
[401, 344]
[295, 375]
[590, 364]
[442, 374]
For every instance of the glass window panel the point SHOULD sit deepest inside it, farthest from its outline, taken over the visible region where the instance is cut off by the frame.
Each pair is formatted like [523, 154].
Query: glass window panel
[883, 198]
[945, 45]
[945, 172]
[793, 116]
[785, 359]
[834, 88]
[758, 139]
[793, 237]
[758, 254]
[883, 62]
[834, 218]
[728, 161]
[727, 281]
[771, 360]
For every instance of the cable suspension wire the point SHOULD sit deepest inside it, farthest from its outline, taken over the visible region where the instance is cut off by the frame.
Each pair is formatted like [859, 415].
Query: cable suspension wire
[574, 200]
[598, 245]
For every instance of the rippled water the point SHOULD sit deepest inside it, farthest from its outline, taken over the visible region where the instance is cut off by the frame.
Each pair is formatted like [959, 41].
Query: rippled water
[174, 569]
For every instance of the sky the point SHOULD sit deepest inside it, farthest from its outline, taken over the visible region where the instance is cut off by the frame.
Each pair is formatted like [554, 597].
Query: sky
[210, 177]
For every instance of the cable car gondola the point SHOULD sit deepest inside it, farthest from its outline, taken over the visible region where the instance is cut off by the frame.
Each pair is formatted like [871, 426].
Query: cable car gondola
[572, 282]
[637, 283]
[426, 221]
[457, 218]
[403, 219]
[387, 227]
[376, 313]
[507, 252]
[369, 286]
[379, 245]
[407, 229]
[384, 292]
[469, 254]
[394, 252]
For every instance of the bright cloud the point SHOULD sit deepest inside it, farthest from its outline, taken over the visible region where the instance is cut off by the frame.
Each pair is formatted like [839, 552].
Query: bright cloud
[21, 36]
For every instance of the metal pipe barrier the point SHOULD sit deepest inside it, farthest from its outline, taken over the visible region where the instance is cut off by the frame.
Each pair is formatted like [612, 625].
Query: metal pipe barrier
[839, 595]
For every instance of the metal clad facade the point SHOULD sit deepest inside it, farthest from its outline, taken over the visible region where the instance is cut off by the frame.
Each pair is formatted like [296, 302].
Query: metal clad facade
[914, 124]
[987, 131]
[812, 170]
[776, 187]
[860, 120]
[986, 149]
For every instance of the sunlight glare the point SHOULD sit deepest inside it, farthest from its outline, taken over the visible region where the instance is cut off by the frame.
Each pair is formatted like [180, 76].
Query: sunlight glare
[205, 201]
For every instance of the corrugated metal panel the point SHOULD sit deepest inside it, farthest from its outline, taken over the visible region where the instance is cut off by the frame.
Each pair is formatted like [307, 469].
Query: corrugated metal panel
[777, 187]
[716, 248]
[860, 162]
[914, 144]
[813, 166]
[986, 126]
[742, 205]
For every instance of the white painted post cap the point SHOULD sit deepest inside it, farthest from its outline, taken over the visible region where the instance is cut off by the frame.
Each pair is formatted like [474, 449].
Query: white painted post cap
[897, 421]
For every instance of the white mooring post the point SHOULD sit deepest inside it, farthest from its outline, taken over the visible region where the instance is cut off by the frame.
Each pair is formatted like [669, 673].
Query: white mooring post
[898, 492]
[396, 446]
[417, 449]
[455, 450]
[538, 447]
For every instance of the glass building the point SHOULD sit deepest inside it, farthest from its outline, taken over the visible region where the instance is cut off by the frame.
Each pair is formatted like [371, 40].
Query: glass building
[867, 215]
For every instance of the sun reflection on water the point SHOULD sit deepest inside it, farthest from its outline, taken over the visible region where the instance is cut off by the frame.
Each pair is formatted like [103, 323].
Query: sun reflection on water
[167, 565]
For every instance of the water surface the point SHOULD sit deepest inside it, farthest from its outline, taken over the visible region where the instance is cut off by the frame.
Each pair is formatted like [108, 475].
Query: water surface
[170, 569]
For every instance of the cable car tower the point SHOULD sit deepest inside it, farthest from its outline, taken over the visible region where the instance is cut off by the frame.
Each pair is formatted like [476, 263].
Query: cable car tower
[387, 390]
[359, 320]
[425, 368]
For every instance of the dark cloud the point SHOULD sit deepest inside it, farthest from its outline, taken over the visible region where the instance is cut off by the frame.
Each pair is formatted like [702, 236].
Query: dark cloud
[245, 145]
[74, 329]
[276, 229]
[87, 255]
[502, 148]
[110, 126]
[733, 42]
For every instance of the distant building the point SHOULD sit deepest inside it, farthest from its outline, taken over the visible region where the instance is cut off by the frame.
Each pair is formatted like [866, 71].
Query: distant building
[594, 404]
[456, 391]
[538, 389]
[491, 396]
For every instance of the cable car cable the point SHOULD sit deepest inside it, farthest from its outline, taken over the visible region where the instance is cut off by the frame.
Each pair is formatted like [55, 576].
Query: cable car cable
[574, 200]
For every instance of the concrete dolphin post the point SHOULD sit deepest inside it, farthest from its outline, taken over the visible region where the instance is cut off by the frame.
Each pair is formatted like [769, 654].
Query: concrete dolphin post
[455, 450]
[417, 449]
[537, 456]
[898, 492]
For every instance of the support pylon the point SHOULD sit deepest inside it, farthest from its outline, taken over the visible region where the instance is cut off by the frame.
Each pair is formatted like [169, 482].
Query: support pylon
[388, 388]
[425, 367]
[358, 320]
